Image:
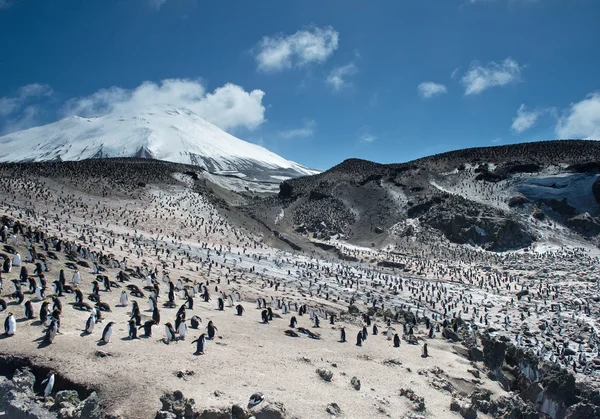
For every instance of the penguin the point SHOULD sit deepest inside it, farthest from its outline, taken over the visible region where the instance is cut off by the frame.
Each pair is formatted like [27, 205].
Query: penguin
[78, 295]
[124, 300]
[51, 332]
[200, 342]
[151, 303]
[132, 330]
[3, 304]
[58, 288]
[182, 330]
[135, 308]
[156, 315]
[396, 341]
[29, 310]
[48, 384]
[148, 328]
[90, 323]
[332, 319]
[425, 353]
[270, 313]
[220, 304]
[293, 321]
[390, 333]
[316, 321]
[95, 287]
[240, 309]
[364, 332]
[265, 316]
[169, 333]
[342, 335]
[211, 330]
[39, 293]
[44, 312]
[359, 338]
[255, 400]
[375, 329]
[56, 304]
[10, 325]
[195, 322]
[107, 332]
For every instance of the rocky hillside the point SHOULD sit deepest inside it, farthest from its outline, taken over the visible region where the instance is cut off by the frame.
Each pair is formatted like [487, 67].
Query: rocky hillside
[498, 198]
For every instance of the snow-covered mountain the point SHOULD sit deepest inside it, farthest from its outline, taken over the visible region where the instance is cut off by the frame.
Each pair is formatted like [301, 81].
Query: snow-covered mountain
[161, 132]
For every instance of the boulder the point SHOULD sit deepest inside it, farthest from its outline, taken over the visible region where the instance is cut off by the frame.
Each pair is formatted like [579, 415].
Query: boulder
[67, 396]
[355, 383]
[266, 410]
[90, 407]
[333, 409]
[325, 374]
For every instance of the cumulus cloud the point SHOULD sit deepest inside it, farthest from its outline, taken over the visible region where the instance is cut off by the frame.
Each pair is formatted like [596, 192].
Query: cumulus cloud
[581, 119]
[228, 107]
[429, 89]
[525, 119]
[277, 53]
[337, 77]
[482, 77]
[307, 130]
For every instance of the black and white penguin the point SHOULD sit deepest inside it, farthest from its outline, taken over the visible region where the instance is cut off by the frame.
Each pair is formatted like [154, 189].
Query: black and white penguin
[375, 330]
[10, 325]
[56, 303]
[78, 295]
[135, 308]
[132, 333]
[425, 352]
[107, 332]
[359, 338]
[29, 314]
[195, 322]
[210, 327]
[58, 288]
[240, 309]
[200, 342]
[270, 313]
[48, 384]
[90, 323]
[332, 319]
[156, 315]
[169, 333]
[124, 300]
[396, 341]
[3, 304]
[342, 335]
[51, 332]
[182, 330]
[364, 332]
[316, 321]
[147, 326]
[44, 311]
[220, 304]
[265, 316]
[293, 321]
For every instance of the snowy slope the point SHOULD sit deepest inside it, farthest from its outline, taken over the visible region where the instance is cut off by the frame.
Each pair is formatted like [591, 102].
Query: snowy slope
[161, 132]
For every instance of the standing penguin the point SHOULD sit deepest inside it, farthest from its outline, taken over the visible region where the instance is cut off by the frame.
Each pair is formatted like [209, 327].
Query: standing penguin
[48, 384]
[10, 325]
[200, 342]
[124, 300]
[182, 330]
[44, 312]
[359, 338]
[293, 321]
[390, 333]
[240, 309]
[265, 316]
[220, 304]
[148, 328]
[210, 327]
[132, 330]
[169, 333]
[425, 353]
[396, 341]
[342, 335]
[107, 332]
[156, 315]
[29, 310]
[90, 323]
[316, 321]
[375, 329]
[51, 332]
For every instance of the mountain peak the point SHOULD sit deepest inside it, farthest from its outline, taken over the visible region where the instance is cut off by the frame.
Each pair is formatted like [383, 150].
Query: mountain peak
[161, 132]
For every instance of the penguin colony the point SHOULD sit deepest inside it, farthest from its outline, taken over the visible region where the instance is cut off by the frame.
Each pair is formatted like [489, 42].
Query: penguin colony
[58, 249]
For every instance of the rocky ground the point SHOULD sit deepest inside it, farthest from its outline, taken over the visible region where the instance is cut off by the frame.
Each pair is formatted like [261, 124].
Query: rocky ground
[508, 334]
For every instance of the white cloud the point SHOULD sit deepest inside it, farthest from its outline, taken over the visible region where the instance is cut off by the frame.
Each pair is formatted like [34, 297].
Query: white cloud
[365, 137]
[525, 119]
[429, 89]
[307, 130]
[482, 77]
[581, 120]
[304, 47]
[19, 112]
[228, 107]
[337, 77]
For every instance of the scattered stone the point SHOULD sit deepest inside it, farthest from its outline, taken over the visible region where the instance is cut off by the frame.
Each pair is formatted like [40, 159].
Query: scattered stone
[325, 374]
[333, 409]
[355, 383]
[184, 374]
[417, 402]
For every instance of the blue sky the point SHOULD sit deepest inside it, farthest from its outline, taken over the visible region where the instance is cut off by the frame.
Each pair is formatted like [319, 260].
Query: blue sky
[315, 81]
